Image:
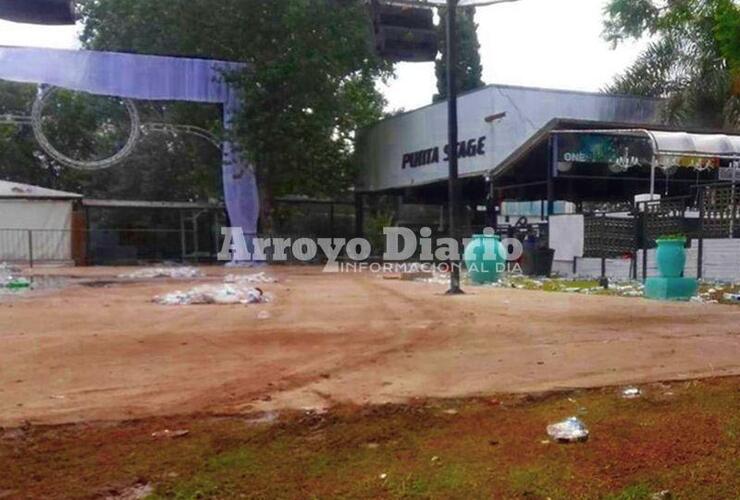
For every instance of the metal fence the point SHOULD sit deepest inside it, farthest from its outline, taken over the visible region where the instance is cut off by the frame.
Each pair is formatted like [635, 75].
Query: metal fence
[710, 212]
[99, 247]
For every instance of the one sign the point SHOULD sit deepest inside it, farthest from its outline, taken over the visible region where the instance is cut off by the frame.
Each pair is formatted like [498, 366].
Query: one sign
[625, 151]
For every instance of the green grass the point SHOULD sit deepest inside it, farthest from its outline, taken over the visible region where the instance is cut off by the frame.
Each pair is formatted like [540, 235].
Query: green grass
[686, 442]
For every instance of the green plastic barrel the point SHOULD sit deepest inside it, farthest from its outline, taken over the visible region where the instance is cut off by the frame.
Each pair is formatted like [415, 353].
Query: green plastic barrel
[671, 257]
[485, 259]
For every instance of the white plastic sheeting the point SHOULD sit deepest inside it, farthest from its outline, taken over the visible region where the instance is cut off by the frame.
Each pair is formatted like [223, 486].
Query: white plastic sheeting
[146, 77]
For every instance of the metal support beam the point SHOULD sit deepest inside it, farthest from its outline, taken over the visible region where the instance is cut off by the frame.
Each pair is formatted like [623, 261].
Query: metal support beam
[551, 162]
[30, 248]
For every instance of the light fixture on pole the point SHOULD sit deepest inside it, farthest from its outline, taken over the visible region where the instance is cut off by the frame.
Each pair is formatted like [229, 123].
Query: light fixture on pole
[452, 59]
[48, 12]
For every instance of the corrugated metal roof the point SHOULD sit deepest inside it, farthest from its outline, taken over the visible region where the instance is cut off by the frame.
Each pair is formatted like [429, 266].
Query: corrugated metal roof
[26, 191]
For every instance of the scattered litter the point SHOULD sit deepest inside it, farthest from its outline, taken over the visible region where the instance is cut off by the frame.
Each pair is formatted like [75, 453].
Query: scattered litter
[732, 297]
[631, 393]
[662, 495]
[451, 412]
[435, 459]
[214, 294]
[704, 298]
[571, 430]
[136, 492]
[266, 418]
[264, 315]
[16, 284]
[436, 277]
[250, 278]
[9, 278]
[164, 272]
[167, 433]
[384, 476]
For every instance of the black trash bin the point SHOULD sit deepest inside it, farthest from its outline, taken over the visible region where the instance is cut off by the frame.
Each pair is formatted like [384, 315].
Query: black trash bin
[538, 261]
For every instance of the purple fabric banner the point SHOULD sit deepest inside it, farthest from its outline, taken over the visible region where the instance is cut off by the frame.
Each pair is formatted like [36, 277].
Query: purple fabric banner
[146, 77]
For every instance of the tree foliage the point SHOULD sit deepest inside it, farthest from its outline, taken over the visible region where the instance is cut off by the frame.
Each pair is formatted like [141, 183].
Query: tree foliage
[470, 69]
[309, 86]
[693, 59]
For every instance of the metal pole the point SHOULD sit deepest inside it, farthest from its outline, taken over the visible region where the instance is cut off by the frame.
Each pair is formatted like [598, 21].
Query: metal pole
[30, 248]
[644, 226]
[551, 162]
[733, 215]
[183, 243]
[359, 215]
[454, 188]
[700, 250]
[215, 233]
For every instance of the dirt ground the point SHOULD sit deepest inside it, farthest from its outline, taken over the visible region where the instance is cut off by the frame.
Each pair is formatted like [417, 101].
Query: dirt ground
[106, 352]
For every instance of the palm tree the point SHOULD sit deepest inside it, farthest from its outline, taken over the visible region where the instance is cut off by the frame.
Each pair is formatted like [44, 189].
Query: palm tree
[693, 60]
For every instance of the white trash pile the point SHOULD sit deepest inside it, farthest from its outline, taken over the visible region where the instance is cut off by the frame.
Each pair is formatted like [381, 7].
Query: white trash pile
[572, 430]
[224, 295]
[713, 291]
[249, 278]
[236, 289]
[164, 272]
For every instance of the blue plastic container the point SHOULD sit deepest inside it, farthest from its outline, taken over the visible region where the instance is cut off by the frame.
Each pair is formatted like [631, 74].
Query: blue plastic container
[485, 258]
[671, 257]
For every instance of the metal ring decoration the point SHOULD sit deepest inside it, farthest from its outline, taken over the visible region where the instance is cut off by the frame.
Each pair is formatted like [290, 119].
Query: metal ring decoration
[128, 148]
[172, 129]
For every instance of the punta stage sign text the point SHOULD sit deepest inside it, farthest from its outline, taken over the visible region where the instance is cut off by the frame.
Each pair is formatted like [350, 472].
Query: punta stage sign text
[465, 149]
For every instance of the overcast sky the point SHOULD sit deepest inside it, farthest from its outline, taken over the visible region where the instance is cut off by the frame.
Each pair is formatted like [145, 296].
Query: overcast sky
[540, 43]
